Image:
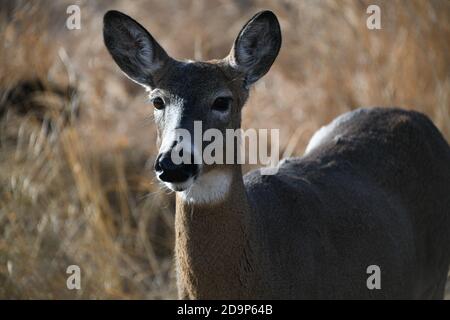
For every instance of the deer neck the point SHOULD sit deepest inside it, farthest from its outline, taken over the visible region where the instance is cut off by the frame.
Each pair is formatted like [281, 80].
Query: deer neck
[213, 253]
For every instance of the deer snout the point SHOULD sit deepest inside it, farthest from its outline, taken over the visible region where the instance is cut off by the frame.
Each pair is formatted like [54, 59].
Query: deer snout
[169, 171]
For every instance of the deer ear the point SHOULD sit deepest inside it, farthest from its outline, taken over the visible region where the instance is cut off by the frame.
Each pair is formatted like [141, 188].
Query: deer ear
[133, 48]
[256, 46]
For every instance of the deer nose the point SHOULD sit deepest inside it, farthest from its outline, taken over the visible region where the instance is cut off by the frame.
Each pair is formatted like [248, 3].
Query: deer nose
[168, 171]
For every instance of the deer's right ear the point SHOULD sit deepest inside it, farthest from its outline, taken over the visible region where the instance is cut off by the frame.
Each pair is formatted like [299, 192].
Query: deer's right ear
[133, 48]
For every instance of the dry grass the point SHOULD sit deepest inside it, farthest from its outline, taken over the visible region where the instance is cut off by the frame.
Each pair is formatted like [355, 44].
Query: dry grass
[77, 142]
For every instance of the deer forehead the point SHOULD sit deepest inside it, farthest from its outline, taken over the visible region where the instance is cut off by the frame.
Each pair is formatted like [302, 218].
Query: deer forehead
[191, 80]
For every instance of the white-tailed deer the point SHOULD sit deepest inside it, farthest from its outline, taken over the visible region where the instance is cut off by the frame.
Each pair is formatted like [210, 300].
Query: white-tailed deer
[372, 189]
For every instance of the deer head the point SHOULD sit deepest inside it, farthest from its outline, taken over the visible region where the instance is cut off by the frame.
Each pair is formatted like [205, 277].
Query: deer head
[186, 92]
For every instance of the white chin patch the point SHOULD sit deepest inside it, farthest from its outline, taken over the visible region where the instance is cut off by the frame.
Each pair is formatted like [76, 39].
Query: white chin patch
[180, 186]
[210, 187]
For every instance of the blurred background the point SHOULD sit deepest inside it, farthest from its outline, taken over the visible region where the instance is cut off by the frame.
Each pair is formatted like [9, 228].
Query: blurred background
[77, 140]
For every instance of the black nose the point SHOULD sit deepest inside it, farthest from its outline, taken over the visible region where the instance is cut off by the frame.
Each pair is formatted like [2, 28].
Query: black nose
[168, 171]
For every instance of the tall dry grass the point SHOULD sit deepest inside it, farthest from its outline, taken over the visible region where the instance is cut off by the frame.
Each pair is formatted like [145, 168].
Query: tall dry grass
[77, 141]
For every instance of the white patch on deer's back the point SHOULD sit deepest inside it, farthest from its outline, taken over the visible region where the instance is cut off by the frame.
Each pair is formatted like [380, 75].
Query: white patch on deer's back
[325, 133]
[211, 187]
[319, 137]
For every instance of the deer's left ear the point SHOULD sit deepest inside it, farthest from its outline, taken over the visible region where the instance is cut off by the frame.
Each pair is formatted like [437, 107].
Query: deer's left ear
[256, 46]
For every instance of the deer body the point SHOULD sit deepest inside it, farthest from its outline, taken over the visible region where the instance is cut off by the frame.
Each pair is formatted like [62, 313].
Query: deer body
[312, 230]
[372, 188]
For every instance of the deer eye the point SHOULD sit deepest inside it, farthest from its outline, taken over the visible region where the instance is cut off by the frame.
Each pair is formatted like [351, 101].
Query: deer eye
[222, 104]
[158, 103]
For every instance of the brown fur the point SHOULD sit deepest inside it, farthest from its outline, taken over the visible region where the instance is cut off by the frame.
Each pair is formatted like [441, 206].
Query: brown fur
[213, 241]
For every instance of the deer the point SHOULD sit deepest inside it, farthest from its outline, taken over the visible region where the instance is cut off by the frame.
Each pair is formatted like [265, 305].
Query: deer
[372, 188]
